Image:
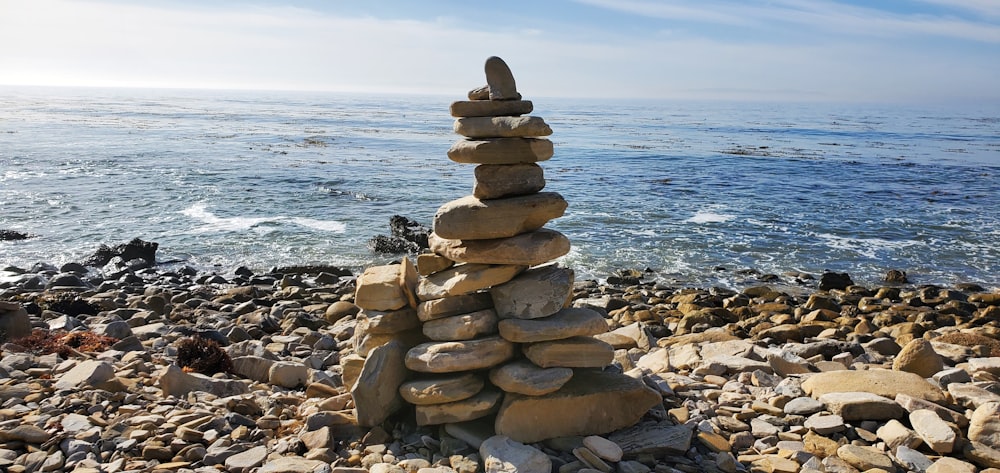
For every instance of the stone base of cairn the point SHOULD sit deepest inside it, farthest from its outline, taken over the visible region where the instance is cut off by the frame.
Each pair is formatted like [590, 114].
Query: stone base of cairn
[485, 330]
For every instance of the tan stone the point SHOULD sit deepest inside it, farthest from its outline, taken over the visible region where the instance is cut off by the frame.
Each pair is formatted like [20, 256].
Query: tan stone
[502, 127]
[455, 305]
[950, 465]
[379, 288]
[895, 434]
[576, 352]
[885, 383]
[918, 356]
[465, 279]
[441, 389]
[352, 365]
[462, 327]
[494, 181]
[490, 108]
[500, 454]
[430, 263]
[482, 404]
[932, 430]
[501, 151]
[389, 322]
[591, 403]
[603, 448]
[536, 293]
[524, 377]
[452, 357]
[865, 458]
[530, 249]
[408, 281]
[376, 393]
[984, 426]
[469, 218]
[568, 322]
[500, 80]
[861, 406]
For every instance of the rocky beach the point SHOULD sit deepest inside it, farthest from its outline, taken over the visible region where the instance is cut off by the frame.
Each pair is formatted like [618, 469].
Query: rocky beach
[485, 353]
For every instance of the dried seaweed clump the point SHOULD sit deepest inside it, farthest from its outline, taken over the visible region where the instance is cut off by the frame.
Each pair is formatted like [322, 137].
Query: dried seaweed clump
[44, 342]
[971, 340]
[67, 303]
[202, 355]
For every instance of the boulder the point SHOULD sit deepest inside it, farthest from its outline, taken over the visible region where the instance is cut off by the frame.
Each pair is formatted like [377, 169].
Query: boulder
[500, 80]
[482, 404]
[984, 426]
[566, 323]
[469, 218]
[494, 181]
[14, 321]
[381, 288]
[465, 279]
[175, 382]
[591, 403]
[529, 249]
[462, 327]
[133, 250]
[918, 356]
[524, 377]
[885, 383]
[575, 352]
[441, 389]
[501, 151]
[861, 406]
[376, 392]
[536, 293]
[454, 305]
[86, 373]
[452, 357]
[934, 431]
[490, 108]
[502, 127]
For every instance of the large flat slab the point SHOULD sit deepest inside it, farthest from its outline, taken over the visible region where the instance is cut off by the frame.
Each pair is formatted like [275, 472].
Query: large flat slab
[469, 218]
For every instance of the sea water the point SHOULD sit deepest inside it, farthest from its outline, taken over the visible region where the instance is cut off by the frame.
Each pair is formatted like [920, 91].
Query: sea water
[695, 192]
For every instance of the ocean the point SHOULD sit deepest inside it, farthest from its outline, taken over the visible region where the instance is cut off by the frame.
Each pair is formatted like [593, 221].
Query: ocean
[694, 193]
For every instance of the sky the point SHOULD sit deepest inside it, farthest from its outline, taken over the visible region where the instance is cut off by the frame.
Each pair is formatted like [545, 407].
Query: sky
[940, 51]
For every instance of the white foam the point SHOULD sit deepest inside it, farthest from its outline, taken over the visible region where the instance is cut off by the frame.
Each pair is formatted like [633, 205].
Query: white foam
[324, 225]
[705, 216]
[866, 246]
[214, 223]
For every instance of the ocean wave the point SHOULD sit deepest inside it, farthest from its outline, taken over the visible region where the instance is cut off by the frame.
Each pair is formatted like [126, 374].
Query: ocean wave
[214, 223]
[706, 216]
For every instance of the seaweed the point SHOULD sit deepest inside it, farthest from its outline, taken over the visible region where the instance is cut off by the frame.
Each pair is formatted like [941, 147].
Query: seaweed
[201, 355]
[44, 342]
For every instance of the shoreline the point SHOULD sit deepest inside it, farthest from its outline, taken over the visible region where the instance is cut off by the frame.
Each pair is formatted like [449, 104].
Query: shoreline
[728, 364]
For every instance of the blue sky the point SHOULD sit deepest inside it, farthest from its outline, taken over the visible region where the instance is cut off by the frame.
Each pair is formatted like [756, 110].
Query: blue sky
[790, 50]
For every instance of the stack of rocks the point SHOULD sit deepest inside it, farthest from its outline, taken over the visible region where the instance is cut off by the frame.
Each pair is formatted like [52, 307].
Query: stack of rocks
[491, 293]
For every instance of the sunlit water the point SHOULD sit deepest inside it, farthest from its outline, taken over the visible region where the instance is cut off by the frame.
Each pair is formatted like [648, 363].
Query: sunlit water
[222, 179]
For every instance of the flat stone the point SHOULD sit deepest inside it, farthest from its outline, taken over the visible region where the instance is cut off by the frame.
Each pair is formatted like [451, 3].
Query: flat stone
[785, 363]
[465, 279]
[430, 263]
[501, 151]
[253, 367]
[524, 377]
[288, 374]
[441, 389]
[951, 465]
[861, 406]
[714, 442]
[528, 249]
[536, 293]
[490, 108]
[473, 432]
[452, 357]
[802, 406]
[895, 434]
[591, 403]
[469, 218]
[86, 373]
[886, 383]
[482, 404]
[248, 459]
[990, 365]
[381, 288]
[501, 454]
[825, 424]
[502, 127]
[500, 80]
[25, 433]
[376, 393]
[604, 448]
[933, 431]
[912, 460]
[575, 352]
[390, 322]
[14, 322]
[911, 404]
[294, 465]
[568, 322]
[984, 426]
[918, 356]
[982, 455]
[865, 458]
[494, 181]
[662, 438]
[776, 464]
[462, 327]
[970, 396]
[175, 382]
[454, 305]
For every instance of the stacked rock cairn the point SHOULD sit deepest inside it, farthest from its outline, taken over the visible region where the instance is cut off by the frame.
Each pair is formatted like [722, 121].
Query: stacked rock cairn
[483, 324]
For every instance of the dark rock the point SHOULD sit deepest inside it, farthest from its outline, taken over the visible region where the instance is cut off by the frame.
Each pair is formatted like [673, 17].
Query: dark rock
[118, 267]
[831, 280]
[896, 276]
[73, 268]
[135, 249]
[66, 280]
[311, 269]
[13, 235]
[407, 236]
